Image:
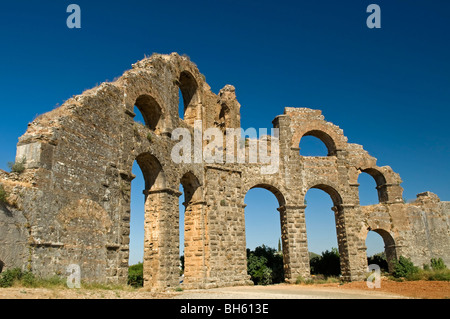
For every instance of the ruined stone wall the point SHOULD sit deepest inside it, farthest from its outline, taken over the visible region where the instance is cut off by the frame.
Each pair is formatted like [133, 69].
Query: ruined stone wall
[72, 203]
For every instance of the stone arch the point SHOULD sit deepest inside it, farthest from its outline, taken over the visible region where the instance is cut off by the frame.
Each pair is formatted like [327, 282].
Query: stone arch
[389, 245]
[152, 171]
[189, 87]
[160, 236]
[326, 139]
[151, 111]
[192, 187]
[380, 180]
[348, 251]
[304, 121]
[276, 191]
[330, 190]
[273, 189]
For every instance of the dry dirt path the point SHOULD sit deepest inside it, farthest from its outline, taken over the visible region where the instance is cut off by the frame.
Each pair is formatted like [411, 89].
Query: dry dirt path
[286, 292]
[354, 290]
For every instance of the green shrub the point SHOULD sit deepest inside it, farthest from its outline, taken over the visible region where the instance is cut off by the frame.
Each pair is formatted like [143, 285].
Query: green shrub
[259, 273]
[437, 264]
[439, 275]
[28, 279]
[18, 167]
[3, 194]
[136, 275]
[16, 275]
[430, 275]
[404, 267]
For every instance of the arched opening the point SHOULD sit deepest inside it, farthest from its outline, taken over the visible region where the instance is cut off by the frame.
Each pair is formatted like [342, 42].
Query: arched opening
[380, 181]
[368, 192]
[149, 112]
[137, 217]
[146, 179]
[317, 143]
[322, 232]
[191, 244]
[264, 242]
[188, 98]
[376, 253]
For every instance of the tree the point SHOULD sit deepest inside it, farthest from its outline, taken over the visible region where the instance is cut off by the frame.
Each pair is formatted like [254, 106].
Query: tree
[265, 265]
[328, 264]
[136, 275]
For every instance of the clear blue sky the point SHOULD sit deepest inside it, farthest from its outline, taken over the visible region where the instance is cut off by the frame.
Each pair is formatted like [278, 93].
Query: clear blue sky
[388, 88]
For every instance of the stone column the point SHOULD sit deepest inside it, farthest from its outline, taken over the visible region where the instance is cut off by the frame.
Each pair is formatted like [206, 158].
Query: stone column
[194, 244]
[161, 243]
[294, 242]
[352, 249]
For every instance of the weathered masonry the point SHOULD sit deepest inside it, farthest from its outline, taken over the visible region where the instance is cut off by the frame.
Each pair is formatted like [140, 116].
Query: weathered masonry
[72, 203]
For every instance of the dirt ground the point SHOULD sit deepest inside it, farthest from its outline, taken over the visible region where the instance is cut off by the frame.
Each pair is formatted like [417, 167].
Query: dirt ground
[414, 289]
[389, 289]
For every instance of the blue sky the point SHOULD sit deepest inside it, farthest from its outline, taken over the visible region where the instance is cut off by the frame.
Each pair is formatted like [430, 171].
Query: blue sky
[388, 88]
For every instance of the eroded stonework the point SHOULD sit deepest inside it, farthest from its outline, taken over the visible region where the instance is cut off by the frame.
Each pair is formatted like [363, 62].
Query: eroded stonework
[72, 203]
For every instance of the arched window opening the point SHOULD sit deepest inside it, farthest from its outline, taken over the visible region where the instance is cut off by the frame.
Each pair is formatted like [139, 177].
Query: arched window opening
[321, 231]
[190, 209]
[188, 99]
[368, 193]
[149, 112]
[312, 146]
[137, 217]
[317, 143]
[381, 249]
[147, 177]
[182, 209]
[380, 181]
[147, 174]
[263, 236]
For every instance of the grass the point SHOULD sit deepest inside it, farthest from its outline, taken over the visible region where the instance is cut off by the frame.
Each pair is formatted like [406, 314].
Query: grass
[318, 279]
[16, 277]
[428, 275]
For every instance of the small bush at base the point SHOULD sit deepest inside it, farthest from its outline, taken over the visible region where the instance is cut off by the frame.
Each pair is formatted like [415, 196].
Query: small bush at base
[437, 264]
[16, 275]
[404, 267]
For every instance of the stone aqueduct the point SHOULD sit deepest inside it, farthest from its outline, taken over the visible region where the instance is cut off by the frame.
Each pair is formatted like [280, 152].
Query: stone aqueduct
[72, 203]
